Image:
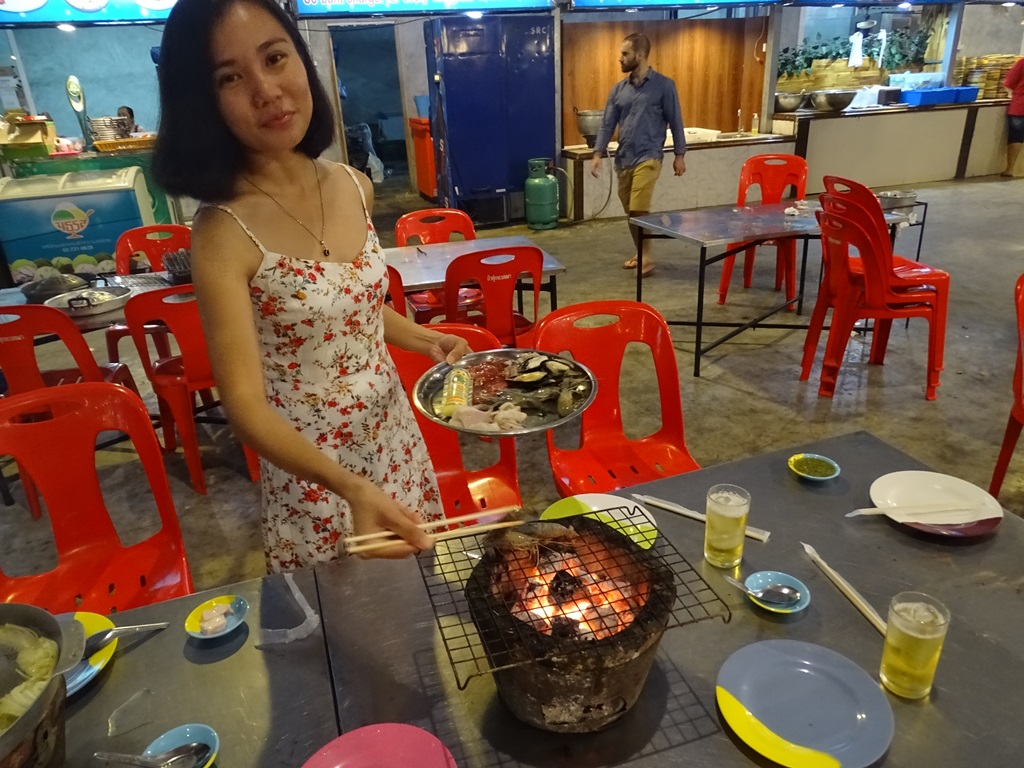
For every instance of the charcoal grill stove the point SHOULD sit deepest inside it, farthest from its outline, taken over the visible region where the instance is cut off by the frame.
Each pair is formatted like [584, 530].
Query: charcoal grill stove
[569, 628]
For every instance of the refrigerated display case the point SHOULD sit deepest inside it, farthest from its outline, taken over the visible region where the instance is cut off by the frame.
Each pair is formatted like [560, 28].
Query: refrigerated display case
[74, 216]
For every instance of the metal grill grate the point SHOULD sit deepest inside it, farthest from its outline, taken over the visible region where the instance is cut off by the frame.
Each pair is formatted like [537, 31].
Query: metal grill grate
[471, 564]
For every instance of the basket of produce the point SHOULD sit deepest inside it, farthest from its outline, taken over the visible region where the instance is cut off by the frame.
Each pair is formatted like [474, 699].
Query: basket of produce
[121, 145]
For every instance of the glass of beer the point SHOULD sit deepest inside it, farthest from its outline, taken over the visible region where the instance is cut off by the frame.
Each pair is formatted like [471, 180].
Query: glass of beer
[727, 509]
[913, 641]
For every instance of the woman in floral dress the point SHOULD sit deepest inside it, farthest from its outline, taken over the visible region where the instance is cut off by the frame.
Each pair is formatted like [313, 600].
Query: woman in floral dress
[290, 280]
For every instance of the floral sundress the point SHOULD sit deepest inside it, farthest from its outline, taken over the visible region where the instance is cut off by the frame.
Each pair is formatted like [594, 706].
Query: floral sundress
[326, 368]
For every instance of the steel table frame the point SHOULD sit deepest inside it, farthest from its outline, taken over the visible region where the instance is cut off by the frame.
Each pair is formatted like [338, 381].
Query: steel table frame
[747, 225]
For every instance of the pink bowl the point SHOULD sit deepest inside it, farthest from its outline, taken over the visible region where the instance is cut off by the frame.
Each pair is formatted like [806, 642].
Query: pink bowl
[383, 744]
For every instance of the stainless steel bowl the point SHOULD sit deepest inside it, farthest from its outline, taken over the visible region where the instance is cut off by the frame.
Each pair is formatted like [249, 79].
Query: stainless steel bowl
[832, 101]
[788, 102]
[897, 199]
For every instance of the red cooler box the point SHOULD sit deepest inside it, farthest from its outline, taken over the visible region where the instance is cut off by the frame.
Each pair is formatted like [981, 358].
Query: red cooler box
[423, 145]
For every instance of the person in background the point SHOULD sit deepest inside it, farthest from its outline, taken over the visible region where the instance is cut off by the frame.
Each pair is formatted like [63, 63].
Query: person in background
[290, 280]
[128, 112]
[1014, 83]
[642, 106]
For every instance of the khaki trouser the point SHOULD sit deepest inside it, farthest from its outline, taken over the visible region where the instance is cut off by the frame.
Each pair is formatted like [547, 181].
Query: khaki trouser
[636, 185]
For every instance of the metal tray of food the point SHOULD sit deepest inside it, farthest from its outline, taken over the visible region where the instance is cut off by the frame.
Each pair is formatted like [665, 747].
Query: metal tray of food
[549, 389]
[91, 301]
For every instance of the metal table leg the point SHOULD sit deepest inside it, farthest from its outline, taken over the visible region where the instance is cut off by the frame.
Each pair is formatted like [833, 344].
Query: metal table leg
[702, 269]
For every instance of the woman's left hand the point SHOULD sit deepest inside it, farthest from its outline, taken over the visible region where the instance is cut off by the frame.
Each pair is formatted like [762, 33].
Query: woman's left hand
[448, 348]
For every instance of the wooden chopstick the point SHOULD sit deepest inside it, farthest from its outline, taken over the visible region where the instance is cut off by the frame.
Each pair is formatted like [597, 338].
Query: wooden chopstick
[464, 531]
[497, 511]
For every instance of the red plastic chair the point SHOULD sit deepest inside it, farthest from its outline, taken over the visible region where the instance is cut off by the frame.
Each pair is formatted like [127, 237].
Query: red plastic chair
[496, 271]
[864, 207]
[178, 378]
[1016, 420]
[606, 459]
[154, 241]
[396, 292]
[773, 174]
[437, 225]
[928, 285]
[95, 571]
[462, 490]
[21, 368]
[871, 296]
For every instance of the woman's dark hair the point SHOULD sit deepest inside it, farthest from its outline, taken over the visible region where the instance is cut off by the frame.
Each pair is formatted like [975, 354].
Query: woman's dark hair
[128, 111]
[196, 154]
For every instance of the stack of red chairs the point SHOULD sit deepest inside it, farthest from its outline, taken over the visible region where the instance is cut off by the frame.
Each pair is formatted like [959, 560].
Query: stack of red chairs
[866, 287]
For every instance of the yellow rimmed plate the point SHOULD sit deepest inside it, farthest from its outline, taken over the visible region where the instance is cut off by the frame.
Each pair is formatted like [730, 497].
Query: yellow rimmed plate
[624, 515]
[84, 671]
[239, 607]
[804, 705]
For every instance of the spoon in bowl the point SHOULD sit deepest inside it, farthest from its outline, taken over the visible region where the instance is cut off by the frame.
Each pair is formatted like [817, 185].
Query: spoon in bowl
[185, 756]
[776, 594]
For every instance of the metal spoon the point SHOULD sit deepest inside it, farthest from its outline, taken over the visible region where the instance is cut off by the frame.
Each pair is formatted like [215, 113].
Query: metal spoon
[776, 594]
[185, 756]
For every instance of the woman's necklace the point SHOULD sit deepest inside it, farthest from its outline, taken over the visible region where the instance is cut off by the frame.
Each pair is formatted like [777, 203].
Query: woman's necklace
[323, 221]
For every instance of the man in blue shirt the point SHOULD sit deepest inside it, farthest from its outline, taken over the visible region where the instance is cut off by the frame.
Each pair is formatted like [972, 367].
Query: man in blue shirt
[641, 106]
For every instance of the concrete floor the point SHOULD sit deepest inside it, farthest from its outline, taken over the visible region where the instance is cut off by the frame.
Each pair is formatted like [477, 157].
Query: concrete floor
[747, 401]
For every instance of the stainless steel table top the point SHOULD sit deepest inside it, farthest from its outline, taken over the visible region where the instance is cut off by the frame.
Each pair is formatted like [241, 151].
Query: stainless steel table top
[270, 707]
[388, 663]
[422, 267]
[726, 224]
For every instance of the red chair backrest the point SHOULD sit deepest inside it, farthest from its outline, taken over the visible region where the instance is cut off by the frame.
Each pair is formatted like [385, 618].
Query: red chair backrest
[95, 571]
[773, 174]
[442, 442]
[154, 241]
[434, 225]
[396, 292]
[602, 348]
[17, 351]
[176, 308]
[496, 272]
[838, 236]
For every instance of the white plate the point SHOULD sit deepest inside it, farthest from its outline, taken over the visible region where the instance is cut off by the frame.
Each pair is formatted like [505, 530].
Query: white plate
[915, 487]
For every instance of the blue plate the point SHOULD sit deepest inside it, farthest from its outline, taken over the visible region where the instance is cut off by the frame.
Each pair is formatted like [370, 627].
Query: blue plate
[193, 733]
[808, 466]
[804, 705]
[762, 579]
[239, 607]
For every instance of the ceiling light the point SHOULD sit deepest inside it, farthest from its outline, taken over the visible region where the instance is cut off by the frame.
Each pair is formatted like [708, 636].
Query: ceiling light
[904, 6]
[838, 5]
[1008, 5]
[631, 10]
[66, 27]
[474, 14]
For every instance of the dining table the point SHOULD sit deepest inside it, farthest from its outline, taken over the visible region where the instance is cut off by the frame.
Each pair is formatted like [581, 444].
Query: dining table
[727, 230]
[378, 655]
[423, 267]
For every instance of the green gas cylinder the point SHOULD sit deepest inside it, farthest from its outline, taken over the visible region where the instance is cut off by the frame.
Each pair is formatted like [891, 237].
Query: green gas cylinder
[541, 194]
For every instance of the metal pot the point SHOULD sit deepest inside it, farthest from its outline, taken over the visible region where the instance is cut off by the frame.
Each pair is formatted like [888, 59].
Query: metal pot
[588, 122]
[788, 102]
[91, 301]
[38, 291]
[832, 101]
[36, 740]
[897, 199]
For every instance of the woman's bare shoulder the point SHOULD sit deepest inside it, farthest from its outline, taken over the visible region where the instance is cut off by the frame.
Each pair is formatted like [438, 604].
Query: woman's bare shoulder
[217, 235]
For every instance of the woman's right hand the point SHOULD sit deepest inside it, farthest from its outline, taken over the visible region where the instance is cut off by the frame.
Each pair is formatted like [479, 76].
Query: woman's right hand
[374, 511]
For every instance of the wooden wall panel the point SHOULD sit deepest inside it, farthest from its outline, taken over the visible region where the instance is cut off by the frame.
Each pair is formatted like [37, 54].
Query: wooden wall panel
[712, 62]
